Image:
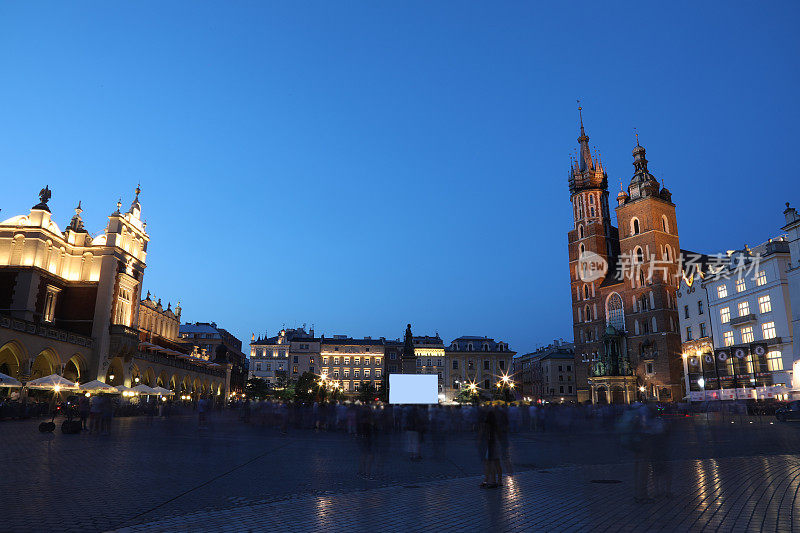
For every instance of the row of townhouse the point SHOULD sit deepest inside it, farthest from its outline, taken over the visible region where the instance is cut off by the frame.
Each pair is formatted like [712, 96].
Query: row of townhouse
[738, 311]
[352, 363]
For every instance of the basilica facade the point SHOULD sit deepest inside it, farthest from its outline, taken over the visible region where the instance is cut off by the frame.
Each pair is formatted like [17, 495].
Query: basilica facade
[623, 280]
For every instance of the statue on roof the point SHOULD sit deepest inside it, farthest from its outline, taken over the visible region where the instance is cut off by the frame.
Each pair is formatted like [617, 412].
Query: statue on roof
[45, 194]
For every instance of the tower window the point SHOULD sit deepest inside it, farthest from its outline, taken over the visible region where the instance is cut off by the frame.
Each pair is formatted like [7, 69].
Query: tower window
[635, 226]
[580, 232]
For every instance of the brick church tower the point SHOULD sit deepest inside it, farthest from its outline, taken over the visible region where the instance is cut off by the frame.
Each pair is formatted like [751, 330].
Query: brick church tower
[623, 283]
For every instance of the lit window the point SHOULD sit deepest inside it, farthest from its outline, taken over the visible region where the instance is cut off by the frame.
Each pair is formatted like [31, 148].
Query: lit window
[50, 303]
[336, 374]
[747, 335]
[335, 360]
[366, 372]
[347, 360]
[764, 305]
[722, 291]
[703, 330]
[728, 338]
[768, 329]
[725, 315]
[378, 373]
[688, 333]
[324, 360]
[774, 361]
[761, 278]
[740, 286]
[744, 308]
[356, 360]
[356, 373]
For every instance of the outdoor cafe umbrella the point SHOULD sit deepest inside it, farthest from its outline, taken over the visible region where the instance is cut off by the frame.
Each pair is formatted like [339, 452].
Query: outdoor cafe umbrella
[52, 382]
[97, 386]
[124, 390]
[162, 391]
[8, 381]
[144, 389]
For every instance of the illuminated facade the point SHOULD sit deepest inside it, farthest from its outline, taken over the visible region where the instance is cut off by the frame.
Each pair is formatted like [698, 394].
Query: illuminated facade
[70, 304]
[548, 374]
[792, 229]
[352, 363]
[625, 326]
[481, 361]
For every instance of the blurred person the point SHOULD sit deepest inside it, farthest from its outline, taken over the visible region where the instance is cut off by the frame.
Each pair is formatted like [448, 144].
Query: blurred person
[489, 450]
[366, 441]
[107, 411]
[632, 427]
[83, 410]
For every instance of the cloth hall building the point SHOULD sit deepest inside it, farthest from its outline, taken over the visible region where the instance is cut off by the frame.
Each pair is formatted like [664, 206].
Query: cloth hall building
[623, 283]
[71, 304]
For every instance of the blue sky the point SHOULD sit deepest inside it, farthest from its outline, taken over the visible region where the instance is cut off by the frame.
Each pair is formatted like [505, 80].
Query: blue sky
[362, 165]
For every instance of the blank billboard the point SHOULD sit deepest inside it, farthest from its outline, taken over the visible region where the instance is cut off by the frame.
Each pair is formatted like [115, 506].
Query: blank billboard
[413, 388]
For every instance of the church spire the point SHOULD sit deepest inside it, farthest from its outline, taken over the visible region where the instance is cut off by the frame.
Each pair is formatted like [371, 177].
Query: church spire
[585, 157]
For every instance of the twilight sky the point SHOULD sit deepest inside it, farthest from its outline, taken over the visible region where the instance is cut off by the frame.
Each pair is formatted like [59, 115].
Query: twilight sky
[362, 165]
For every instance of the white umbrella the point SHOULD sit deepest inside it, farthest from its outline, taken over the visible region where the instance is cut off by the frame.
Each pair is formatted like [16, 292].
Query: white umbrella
[162, 391]
[8, 381]
[123, 388]
[52, 382]
[144, 389]
[97, 386]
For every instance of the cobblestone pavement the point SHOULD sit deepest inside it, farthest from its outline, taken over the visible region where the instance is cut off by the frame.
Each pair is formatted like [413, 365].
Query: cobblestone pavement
[169, 476]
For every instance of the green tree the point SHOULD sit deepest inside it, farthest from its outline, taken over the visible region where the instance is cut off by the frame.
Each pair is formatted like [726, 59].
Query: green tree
[257, 388]
[367, 394]
[306, 387]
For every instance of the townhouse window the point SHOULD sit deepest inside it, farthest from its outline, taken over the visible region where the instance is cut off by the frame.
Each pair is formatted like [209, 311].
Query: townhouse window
[569, 389]
[311, 360]
[502, 364]
[336, 374]
[560, 368]
[688, 333]
[703, 330]
[747, 335]
[486, 384]
[258, 367]
[438, 362]
[356, 385]
[744, 308]
[486, 364]
[774, 361]
[561, 389]
[335, 360]
[455, 364]
[294, 369]
[699, 307]
[470, 365]
[311, 369]
[761, 278]
[740, 285]
[727, 338]
[685, 311]
[324, 360]
[347, 360]
[649, 368]
[419, 363]
[366, 372]
[268, 367]
[768, 329]
[295, 359]
[722, 291]
[356, 373]
[764, 305]
[569, 368]
[392, 356]
[725, 315]
[378, 373]
[428, 363]
[377, 361]
[346, 373]
[357, 361]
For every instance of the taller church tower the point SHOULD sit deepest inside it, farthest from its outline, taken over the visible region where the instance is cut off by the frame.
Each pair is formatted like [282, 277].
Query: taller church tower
[593, 249]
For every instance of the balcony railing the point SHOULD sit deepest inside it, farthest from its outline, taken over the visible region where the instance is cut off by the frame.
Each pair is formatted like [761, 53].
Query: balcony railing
[739, 320]
[44, 330]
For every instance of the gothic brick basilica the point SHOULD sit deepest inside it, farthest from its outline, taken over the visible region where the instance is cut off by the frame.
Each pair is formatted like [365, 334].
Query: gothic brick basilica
[623, 281]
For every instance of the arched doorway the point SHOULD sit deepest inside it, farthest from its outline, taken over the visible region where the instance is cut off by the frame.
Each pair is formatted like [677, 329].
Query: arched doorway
[46, 363]
[162, 380]
[617, 395]
[136, 376]
[150, 377]
[116, 372]
[602, 395]
[11, 354]
[73, 370]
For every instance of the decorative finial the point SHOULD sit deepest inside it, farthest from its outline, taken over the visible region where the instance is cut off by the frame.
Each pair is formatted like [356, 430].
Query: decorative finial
[637, 136]
[78, 210]
[580, 113]
[119, 205]
[138, 190]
